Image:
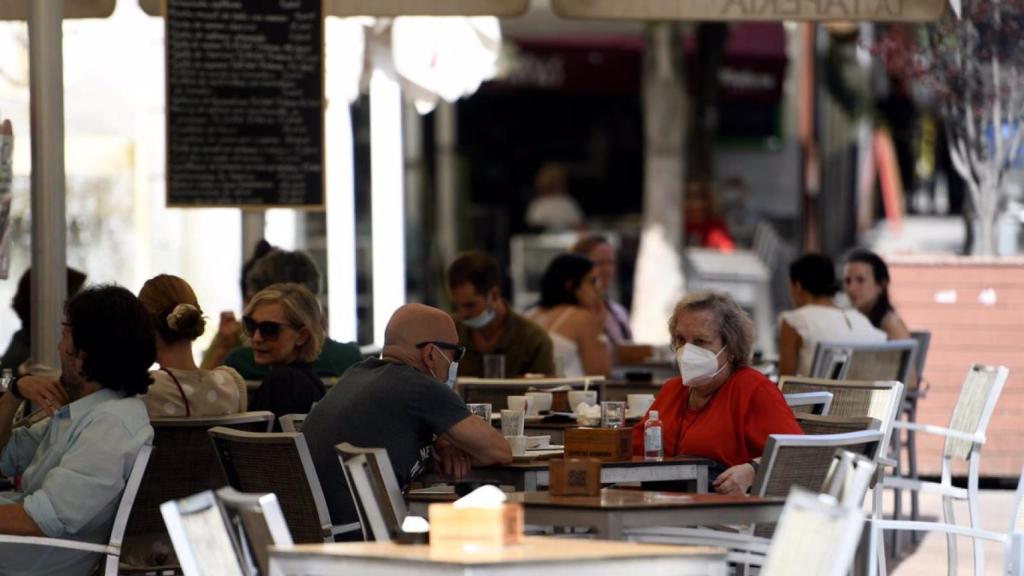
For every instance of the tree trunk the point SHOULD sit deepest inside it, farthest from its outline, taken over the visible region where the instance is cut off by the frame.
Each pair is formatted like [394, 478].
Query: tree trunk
[658, 281]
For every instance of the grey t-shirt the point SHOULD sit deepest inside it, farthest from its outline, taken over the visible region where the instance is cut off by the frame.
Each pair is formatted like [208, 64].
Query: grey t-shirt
[378, 404]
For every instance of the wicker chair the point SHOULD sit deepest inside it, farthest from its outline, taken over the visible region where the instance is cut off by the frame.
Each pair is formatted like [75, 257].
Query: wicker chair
[890, 360]
[201, 537]
[964, 439]
[280, 463]
[375, 490]
[814, 425]
[183, 464]
[112, 549]
[854, 399]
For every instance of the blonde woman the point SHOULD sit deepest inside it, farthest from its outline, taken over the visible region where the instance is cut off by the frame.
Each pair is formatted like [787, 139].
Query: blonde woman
[180, 388]
[282, 322]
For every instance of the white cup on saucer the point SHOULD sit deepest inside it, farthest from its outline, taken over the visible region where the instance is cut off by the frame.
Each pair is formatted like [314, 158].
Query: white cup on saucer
[576, 397]
[638, 404]
[540, 402]
[524, 403]
[517, 444]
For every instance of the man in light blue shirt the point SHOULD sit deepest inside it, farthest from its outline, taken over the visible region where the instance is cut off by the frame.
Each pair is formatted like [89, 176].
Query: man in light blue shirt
[74, 464]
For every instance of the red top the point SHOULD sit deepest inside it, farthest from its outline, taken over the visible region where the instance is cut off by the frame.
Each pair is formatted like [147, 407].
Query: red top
[732, 428]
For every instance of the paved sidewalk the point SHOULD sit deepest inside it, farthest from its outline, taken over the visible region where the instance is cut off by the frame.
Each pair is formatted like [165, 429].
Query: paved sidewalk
[929, 558]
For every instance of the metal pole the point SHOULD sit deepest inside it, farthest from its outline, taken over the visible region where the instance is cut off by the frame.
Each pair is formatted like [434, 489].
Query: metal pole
[253, 225]
[446, 125]
[49, 264]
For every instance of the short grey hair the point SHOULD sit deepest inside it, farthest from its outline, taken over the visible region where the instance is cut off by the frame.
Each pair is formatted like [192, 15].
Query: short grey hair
[734, 325]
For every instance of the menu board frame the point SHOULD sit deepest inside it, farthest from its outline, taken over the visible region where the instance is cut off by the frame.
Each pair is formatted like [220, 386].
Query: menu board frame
[752, 10]
[311, 202]
[502, 8]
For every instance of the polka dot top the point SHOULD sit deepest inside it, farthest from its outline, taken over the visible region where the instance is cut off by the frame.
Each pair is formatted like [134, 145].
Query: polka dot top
[216, 392]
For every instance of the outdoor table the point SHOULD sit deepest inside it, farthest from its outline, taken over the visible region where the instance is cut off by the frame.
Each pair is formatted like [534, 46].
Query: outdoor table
[530, 476]
[617, 510]
[548, 426]
[535, 555]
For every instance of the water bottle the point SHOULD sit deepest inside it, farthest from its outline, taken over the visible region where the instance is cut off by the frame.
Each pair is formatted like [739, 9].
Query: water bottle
[652, 436]
[5, 379]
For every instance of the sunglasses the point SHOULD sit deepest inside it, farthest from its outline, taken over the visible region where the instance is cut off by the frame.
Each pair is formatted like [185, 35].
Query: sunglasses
[458, 349]
[269, 330]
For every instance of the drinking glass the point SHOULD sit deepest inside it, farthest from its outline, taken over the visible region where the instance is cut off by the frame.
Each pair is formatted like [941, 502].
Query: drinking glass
[481, 410]
[494, 366]
[512, 422]
[613, 414]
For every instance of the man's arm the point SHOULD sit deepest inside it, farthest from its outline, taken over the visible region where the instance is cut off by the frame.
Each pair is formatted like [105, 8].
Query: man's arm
[480, 441]
[14, 520]
[8, 408]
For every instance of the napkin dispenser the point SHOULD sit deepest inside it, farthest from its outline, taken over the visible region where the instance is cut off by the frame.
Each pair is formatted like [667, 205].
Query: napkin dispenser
[575, 477]
[603, 443]
[491, 527]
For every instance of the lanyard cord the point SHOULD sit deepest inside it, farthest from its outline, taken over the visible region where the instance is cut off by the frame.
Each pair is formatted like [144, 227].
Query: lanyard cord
[188, 410]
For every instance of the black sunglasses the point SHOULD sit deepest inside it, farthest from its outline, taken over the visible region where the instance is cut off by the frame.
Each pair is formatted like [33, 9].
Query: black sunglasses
[269, 330]
[459, 349]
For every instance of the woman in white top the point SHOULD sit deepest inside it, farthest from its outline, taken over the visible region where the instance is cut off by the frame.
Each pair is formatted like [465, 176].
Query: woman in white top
[812, 285]
[570, 292]
[180, 388]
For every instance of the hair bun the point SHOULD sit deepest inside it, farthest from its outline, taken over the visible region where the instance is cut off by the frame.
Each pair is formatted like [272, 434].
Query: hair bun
[177, 318]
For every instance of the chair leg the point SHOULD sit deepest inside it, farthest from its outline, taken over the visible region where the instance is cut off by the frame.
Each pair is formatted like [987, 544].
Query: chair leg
[875, 555]
[915, 502]
[949, 518]
[897, 494]
[975, 514]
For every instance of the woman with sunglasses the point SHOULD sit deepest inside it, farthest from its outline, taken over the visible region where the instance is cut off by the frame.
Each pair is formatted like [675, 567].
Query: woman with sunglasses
[284, 330]
[570, 295]
[180, 388]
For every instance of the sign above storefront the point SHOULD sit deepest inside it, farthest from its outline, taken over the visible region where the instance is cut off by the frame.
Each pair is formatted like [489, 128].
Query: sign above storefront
[722, 10]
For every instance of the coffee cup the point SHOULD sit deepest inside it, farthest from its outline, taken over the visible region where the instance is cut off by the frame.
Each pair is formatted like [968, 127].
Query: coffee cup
[639, 403]
[540, 402]
[577, 397]
[523, 403]
[517, 444]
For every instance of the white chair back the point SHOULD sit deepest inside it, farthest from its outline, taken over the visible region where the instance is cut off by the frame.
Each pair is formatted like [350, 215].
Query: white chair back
[255, 522]
[375, 488]
[974, 407]
[815, 535]
[200, 536]
[891, 360]
[292, 422]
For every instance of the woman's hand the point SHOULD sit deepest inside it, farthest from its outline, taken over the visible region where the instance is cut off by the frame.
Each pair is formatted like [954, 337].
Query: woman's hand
[46, 393]
[735, 480]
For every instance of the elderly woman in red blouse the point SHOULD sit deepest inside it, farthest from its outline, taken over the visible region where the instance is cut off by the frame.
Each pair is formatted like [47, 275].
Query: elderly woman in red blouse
[720, 408]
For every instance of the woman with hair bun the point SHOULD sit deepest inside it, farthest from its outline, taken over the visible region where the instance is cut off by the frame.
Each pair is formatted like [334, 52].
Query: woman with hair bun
[180, 388]
[813, 286]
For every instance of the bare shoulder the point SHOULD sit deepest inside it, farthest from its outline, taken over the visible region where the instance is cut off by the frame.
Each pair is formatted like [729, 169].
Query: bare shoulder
[894, 326]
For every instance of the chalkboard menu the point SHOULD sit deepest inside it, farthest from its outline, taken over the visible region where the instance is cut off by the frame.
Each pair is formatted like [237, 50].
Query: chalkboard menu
[245, 96]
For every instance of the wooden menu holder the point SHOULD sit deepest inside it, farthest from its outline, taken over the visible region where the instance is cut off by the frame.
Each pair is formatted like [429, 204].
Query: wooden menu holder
[603, 443]
[575, 477]
[486, 527]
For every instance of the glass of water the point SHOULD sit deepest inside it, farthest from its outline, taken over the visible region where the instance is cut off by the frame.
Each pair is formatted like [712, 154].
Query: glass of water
[613, 414]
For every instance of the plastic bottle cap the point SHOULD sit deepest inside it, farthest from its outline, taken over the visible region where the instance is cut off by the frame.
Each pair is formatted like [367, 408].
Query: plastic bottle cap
[652, 415]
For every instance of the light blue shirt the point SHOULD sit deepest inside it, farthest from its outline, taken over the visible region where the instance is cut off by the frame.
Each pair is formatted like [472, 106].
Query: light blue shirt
[73, 469]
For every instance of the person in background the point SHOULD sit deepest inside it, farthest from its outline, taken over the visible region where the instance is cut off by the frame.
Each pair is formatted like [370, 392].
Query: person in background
[229, 331]
[284, 330]
[403, 402]
[569, 293]
[487, 324]
[278, 267]
[719, 408]
[812, 285]
[552, 208]
[19, 350]
[616, 317]
[180, 388]
[866, 278]
[703, 226]
[74, 465]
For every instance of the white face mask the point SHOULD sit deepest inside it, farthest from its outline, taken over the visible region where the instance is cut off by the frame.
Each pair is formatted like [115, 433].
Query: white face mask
[698, 366]
[481, 320]
[453, 370]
